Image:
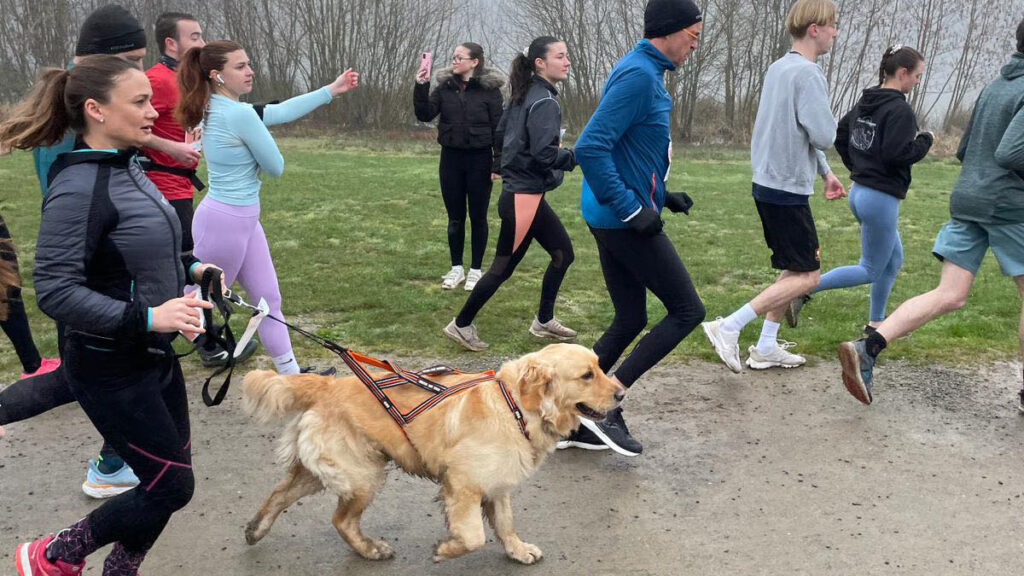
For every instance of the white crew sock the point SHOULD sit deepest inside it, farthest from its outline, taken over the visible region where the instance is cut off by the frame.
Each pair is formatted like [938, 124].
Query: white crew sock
[769, 338]
[738, 319]
[286, 364]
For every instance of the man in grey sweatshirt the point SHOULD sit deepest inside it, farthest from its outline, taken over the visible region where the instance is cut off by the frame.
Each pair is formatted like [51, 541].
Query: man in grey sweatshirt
[793, 128]
[986, 211]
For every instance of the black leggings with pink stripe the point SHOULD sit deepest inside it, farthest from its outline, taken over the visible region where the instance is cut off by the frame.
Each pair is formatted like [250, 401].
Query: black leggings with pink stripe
[524, 217]
[137, 401]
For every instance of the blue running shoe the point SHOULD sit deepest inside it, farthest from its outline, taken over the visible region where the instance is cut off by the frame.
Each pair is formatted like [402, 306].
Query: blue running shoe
[858, 368]
[99, 485]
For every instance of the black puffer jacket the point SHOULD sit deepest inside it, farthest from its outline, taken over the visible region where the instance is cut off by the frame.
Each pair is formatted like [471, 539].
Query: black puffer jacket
[878, 141]
[532, 159]
[108, 250]
[469, 116]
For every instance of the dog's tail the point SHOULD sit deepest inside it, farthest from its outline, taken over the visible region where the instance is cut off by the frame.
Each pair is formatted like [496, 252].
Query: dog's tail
[269, 395]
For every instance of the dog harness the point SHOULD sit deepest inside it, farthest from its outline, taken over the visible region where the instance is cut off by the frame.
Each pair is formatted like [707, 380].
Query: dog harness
[397, 376]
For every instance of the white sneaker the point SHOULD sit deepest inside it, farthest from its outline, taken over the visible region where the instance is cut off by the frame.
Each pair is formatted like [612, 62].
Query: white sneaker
[474, 276]
[727, 344]
[467, 336]
[453, 278]
[777, 358]
[553, 329]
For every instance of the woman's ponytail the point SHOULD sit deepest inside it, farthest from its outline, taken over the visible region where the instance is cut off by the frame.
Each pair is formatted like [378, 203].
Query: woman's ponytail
[521, 74]
[194, 88]
[41, 118]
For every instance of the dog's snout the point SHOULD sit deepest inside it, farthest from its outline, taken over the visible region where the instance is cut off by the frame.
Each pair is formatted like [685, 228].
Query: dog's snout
[620, 394]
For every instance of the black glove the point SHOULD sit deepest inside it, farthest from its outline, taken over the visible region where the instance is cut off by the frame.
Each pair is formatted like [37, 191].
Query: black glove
[678, 202]
[646, 223]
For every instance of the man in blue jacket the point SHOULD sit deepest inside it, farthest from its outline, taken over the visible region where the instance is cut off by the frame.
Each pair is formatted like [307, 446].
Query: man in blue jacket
[624, 153]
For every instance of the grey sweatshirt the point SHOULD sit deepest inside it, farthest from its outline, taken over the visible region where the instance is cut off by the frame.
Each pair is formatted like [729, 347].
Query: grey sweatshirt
[990, 189]
[794, 126]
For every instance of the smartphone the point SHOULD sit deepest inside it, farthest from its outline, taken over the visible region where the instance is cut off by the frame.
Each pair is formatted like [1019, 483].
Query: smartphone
[426, 61]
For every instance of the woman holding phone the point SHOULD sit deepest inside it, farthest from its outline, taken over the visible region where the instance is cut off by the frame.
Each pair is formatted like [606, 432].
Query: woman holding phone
[467, 96]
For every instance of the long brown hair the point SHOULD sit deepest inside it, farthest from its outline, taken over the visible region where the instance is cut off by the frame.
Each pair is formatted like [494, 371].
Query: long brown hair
[194, 79]
[56, 103]
[524, 65]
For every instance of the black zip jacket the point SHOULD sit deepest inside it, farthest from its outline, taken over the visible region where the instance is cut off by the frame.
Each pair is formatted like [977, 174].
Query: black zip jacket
[878, 141]
[469, 115]
[532, 160]
[108, 250]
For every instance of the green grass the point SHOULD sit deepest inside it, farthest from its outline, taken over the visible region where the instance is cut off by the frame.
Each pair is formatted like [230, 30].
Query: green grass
[357, 233]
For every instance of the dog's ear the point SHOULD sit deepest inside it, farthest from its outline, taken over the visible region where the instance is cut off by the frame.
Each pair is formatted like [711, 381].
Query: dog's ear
[534, 384]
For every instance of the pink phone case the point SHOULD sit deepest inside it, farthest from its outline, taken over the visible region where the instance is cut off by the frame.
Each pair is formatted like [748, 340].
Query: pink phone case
[426, 61]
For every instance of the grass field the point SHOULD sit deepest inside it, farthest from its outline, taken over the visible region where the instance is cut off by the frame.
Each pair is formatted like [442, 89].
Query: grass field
[358, 237]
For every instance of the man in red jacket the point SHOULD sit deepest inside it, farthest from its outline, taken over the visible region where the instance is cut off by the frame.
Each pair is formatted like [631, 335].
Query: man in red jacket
[176, 34]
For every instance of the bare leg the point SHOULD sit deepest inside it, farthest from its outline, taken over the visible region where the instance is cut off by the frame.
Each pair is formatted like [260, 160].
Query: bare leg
[298, 483]
[346, 520]
[499, 513]
[465, 521]
[951, 294]
[772, 301]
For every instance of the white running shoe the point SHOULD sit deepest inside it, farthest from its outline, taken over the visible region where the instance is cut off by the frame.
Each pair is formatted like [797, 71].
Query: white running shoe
[553, 329]
[474, 276]
[453, 278]
[777, 358]
[727, 344]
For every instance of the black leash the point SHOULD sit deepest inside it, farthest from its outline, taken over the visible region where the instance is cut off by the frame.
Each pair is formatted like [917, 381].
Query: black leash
[211, 289]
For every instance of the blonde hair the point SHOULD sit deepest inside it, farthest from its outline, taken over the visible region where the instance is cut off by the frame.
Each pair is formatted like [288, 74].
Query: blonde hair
[803, 13]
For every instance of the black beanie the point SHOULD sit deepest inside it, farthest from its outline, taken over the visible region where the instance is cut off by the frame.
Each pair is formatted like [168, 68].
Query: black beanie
[110, 29]
[664, 17]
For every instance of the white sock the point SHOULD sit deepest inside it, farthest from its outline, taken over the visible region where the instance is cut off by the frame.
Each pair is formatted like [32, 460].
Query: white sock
[738, 319]
[769, 337]
[286, 364]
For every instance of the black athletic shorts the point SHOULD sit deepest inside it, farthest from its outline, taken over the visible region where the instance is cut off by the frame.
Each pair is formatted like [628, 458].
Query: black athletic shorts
[790, 233]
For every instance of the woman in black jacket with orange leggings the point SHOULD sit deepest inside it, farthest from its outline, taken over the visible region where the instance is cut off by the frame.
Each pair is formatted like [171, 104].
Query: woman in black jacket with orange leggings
[467, 96]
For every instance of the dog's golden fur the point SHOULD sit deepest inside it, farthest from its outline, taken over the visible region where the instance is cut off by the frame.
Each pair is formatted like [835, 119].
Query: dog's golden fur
[340, 438]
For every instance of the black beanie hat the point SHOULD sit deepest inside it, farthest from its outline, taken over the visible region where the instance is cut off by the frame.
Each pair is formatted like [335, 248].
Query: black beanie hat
[110, 29]
[664, 17]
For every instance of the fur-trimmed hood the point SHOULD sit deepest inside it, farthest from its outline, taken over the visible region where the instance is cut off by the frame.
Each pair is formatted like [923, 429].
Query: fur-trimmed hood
[489, 79]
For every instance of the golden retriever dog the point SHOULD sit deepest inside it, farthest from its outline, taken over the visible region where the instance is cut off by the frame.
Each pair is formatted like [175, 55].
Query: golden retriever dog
[340, 438]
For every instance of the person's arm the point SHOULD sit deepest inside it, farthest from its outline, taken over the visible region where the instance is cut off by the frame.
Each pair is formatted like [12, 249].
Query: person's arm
[902, 144]
[842, 143]
[69, 233]
[961, 150]
[544, 125]
[621, 105]
[246, 124]
[426, 103]
[294, 108]
[1010, 153]
[496, 112]
[182, 153]
[813, 112]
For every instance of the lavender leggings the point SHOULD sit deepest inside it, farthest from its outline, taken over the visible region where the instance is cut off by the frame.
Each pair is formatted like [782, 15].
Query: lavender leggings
[231, 237]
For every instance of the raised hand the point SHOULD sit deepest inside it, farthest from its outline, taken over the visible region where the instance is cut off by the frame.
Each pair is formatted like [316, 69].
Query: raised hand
[348, 80]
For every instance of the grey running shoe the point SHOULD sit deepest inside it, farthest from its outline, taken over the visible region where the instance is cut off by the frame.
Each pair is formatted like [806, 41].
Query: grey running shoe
[779, 357]
[219, 356]
[858, 367]
[552, 329]
[467, 336]
[727, 344]
[329, 371]
[794, 308]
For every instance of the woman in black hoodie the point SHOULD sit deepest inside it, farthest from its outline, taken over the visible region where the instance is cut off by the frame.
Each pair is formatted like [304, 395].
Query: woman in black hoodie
[878, 141]
[468, 99]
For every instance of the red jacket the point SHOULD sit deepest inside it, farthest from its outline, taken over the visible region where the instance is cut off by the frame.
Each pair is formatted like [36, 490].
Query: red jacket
[165, 98]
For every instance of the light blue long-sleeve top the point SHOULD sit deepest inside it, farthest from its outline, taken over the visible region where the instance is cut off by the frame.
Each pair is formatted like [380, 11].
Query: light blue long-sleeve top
[238, 145]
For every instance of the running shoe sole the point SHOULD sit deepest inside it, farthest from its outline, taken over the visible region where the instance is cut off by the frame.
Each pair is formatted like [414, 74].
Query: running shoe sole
[593, 427]
[755, 365]
[103, 491]
[852, 378]
[566, 444]
[462, 342]
[551, 335]
[718, 349]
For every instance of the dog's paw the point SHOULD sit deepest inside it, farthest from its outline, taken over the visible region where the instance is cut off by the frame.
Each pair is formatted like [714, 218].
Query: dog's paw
[379, 550]
[525, 553]
[252, 532]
